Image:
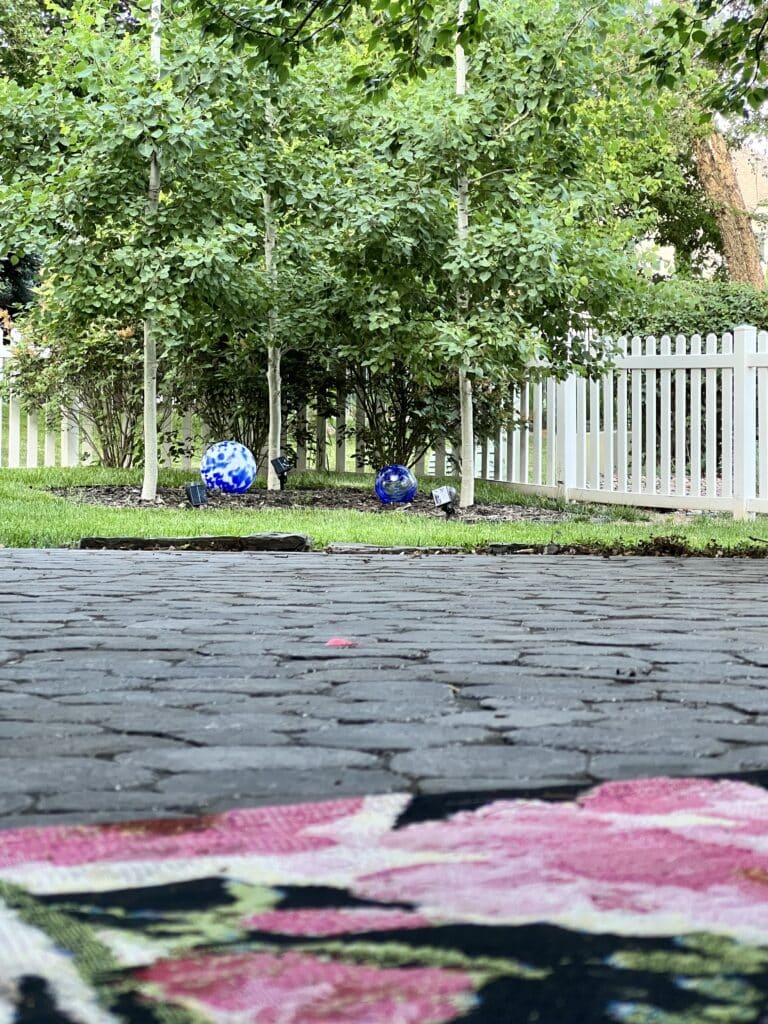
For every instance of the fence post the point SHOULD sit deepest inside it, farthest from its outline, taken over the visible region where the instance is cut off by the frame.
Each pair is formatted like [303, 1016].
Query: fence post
[744, 426]
[565, 430]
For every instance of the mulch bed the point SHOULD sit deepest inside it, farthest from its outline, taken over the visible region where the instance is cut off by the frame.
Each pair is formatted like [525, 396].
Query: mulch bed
[330, 498]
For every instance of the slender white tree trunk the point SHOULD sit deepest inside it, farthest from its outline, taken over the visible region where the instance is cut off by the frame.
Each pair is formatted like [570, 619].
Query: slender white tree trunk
[467, 495]
[274, 381]
[149, 485]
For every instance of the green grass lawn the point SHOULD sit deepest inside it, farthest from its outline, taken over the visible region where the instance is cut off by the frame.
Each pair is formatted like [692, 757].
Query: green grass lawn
[30, 516]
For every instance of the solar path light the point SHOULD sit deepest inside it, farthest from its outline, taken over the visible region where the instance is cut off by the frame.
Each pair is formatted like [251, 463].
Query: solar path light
[445, 499]
[282, 468]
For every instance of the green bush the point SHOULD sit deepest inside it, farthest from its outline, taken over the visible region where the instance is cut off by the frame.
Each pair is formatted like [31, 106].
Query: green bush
[679, 306]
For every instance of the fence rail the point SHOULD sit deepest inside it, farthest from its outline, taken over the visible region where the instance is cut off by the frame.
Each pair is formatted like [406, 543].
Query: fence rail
[675, 423]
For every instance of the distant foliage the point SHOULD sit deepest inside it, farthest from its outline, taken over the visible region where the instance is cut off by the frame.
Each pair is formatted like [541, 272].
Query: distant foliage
[697, 307]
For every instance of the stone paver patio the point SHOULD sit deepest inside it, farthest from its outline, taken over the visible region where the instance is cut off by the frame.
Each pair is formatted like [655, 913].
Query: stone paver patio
[136, 683]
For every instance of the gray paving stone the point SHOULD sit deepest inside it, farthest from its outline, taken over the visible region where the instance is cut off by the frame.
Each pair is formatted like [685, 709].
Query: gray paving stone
[505, 761]
[244, 787]
[462, 784]
[631, 766]
[619, 739]
[62, 774]
[396, 735]
[102, 802]
[11, 803]
[221, 758]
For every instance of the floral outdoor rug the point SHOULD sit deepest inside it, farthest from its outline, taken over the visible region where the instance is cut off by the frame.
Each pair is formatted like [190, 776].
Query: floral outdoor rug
[642, 902]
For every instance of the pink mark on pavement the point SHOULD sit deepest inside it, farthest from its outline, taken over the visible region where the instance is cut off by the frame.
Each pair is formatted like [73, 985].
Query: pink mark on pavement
[340, 641]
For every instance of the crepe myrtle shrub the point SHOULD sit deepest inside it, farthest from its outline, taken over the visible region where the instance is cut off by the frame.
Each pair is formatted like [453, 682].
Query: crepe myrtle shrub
[92, 374]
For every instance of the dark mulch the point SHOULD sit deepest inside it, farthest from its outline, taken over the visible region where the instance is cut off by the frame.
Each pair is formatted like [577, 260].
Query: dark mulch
[331, 498]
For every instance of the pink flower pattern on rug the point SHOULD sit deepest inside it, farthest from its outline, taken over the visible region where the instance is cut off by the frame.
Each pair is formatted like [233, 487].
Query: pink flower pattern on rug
[346, 921]
[296, 988]
[261, 831]
[655, 856]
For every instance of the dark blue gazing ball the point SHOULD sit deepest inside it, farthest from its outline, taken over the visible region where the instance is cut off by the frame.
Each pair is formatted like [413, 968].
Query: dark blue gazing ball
[395, 483]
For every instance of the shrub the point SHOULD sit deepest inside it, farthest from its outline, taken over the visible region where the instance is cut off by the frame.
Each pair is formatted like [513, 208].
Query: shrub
[680, 306]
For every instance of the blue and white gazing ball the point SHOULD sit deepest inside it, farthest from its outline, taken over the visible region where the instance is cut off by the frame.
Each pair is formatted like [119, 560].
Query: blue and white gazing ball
[228, 466]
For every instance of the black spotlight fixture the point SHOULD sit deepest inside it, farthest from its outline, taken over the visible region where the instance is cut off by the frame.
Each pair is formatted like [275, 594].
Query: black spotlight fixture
[282, 467]
[196, 495]
[445, 499]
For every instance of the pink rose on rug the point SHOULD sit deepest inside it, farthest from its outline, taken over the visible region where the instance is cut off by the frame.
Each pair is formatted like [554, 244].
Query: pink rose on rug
[695, 859]
[263, 831]
[346, 921]
[296, 988]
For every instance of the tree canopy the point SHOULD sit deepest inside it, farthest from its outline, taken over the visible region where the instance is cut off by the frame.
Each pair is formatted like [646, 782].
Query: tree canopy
[730, 38]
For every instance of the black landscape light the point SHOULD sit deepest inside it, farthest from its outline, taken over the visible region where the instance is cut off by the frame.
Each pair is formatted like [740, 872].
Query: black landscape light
[282, 467]
[196, 495]
[445, 499]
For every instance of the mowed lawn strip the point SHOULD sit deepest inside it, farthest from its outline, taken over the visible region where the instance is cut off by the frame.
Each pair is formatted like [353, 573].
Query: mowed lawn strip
[31, 516]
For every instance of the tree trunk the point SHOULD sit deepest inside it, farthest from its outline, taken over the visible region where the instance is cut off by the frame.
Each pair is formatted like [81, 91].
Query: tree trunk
[149, 484]
[718, 179]
[274, 381]
[467, 495]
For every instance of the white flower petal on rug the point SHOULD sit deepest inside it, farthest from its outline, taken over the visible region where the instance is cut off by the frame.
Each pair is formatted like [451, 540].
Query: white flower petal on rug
[29, 951]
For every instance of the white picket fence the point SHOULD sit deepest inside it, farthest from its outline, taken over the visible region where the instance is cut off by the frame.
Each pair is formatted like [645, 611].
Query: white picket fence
[25, 440]
[676, 423]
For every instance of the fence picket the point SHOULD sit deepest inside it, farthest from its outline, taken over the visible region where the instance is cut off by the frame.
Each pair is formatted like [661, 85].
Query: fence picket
[608, 449]
[484, 459]
[726, 435]
[525, 431]
[440, 454]
[744, 394]
[695, 421]
[498, 467]
[49, 447]
[622, 422]
[637, 420]
[650, 418]
[32, 440]
[681, 433]
[711, 417]
[665, 420]
[551, 428]
[581, 432]
[14, 433]
[538, 431]
[594, 434]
